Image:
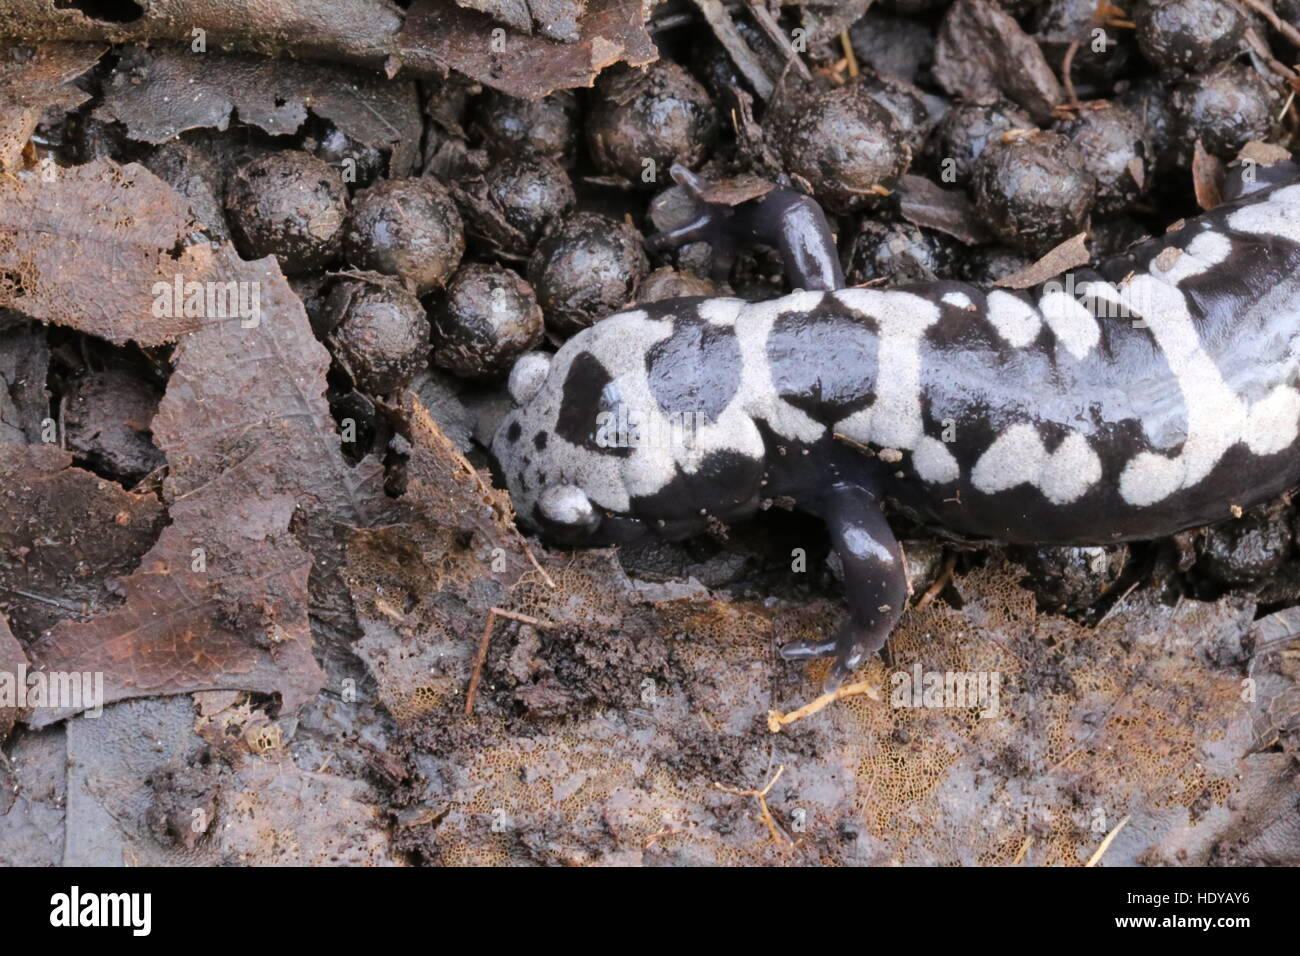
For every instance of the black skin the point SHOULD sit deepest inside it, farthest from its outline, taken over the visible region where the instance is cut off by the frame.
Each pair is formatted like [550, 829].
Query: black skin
[852, 501]
[847, 489]
[789, 222]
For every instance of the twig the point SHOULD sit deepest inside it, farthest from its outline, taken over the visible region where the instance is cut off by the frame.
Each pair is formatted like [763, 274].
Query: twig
[761, 795]
[715, 14]
[1265, 10]
[941, 582]
[1261, 49]
[849, 56]
[777, 36]
[1067, 66]
[1024, 848]
[55, 602]
[776, 720]
[481, 656]
[528, 552]
[1105, 844]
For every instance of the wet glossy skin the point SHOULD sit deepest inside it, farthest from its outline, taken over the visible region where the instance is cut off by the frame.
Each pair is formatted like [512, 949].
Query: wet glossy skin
[1160, 397]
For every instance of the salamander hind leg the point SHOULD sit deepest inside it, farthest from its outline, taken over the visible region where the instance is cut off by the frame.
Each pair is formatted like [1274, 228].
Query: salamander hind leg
[875, 580]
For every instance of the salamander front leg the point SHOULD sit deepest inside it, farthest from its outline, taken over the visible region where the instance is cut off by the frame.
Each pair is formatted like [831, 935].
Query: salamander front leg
[789, 222]
[875, 580]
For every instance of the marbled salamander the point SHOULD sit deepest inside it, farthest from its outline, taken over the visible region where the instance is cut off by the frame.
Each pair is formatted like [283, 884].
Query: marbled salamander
[1151, 395]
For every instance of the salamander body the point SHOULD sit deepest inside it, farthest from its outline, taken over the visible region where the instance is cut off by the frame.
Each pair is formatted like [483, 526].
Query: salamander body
[1158, 392]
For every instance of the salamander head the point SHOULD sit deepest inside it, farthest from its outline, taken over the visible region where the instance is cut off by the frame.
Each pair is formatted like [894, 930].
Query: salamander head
[564, 483]
[634, 425]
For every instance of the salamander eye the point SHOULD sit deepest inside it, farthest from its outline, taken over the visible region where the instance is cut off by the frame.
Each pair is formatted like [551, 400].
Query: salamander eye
[527, 376]
[567, 508]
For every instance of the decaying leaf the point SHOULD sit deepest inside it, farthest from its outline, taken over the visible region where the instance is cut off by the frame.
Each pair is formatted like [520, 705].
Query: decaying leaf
[982, 51]
[32, 81]
[423, 583]
[13, 665]
[141, 794]
[358, 31]
[24, 367]
[529, 67]
[428, 39]
[93, 249]
[255, 468]
[1207, 177]
[636, 711]
[1275, 677]
[556, 19]
[925, 203]
[66, 536]
[1070, 254]
[159, 94]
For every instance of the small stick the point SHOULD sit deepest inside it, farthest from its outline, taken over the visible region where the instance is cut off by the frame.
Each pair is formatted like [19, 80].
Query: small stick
[1105, 844]
[1024, 848]
[766, 816]
[528, 552]
[1262, 51]
[481, 656]
[941, 582]
[777, 36]
[848, 53]
[1265, 10]
[854, 443]
[1067, 66]
[776, 720]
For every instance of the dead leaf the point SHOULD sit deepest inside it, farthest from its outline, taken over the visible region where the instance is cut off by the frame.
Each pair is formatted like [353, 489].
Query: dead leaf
[428, 39]
[32, 81]
[556, 19]
[1070, 254]
[75, 252]
[159, 94]
[66, 536]
[13, 667]
[255, 469]
[525, 66]
[1207, 177]
[950, 211]
[1264, 154]
[982, 50]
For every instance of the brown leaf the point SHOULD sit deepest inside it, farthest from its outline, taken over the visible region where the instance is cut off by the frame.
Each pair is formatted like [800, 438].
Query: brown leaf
[32, 81]
[357, 31]
[432, 37]
[159, 94]
[556, 19]
[66, 536]
[13, 663]
[923, 203]
[75, 252]
[1070, 254]
[525, 66]
[221, 599]
[982, 51]
[1207, 177]
[1264, 154]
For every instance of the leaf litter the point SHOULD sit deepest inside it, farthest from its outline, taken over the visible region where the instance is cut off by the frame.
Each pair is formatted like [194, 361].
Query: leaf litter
[616, 720]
